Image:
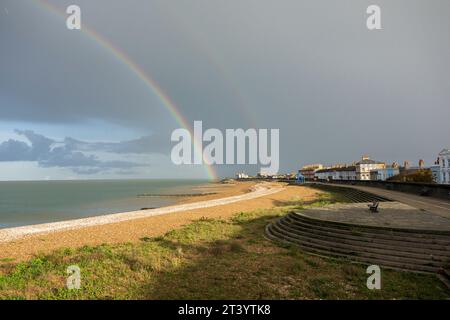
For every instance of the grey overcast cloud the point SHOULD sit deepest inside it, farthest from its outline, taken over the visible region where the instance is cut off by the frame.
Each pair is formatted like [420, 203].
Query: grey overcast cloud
[71, 108]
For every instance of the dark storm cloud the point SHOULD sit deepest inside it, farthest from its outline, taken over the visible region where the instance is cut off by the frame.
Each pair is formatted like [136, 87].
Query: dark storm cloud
[310, 68]
[71, 153]
[13, 150]
[52, 75]
[155, 143]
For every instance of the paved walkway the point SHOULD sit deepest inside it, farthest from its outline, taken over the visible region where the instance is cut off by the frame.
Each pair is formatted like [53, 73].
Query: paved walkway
[435, 206]
[391, 214]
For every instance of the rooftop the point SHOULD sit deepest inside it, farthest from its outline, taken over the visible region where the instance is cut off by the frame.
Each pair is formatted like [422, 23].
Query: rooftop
[368, 161]
[349, 168]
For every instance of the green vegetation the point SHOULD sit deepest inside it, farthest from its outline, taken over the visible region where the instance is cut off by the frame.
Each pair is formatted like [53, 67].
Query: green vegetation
[422, 175]
[207, 259]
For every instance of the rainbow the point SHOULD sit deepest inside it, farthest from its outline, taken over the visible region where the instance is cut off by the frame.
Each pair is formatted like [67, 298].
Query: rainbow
[140, 73]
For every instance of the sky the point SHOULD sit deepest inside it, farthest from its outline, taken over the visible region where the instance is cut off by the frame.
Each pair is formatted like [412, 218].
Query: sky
[70, 109]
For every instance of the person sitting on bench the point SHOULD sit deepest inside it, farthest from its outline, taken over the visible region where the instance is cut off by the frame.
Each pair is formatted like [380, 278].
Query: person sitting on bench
[374, 206]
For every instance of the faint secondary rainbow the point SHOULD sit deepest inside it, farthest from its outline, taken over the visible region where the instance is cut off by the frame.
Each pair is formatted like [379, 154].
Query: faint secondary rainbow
[137, 70]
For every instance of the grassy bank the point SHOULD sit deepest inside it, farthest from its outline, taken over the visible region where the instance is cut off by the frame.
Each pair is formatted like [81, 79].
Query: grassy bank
[207, 259]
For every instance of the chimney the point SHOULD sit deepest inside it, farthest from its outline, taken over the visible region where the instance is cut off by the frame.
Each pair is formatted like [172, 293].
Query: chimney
[421, 164]
[406, 164]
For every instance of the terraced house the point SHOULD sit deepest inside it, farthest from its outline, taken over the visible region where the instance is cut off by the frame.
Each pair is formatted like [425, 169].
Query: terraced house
[337, 173]
[361, 170]
[309, 170]
[365, 166]
[384, 174]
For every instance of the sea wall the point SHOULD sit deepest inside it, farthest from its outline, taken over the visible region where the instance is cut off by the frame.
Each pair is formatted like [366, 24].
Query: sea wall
[426, 189]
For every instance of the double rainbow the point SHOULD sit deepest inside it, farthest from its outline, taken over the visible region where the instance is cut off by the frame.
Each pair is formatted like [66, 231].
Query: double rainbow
[140, 73]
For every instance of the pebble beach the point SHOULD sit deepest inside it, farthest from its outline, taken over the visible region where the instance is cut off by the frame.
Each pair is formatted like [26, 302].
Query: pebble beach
[228, 199]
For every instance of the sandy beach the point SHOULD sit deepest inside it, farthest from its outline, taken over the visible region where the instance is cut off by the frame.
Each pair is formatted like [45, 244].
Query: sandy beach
[226, 200]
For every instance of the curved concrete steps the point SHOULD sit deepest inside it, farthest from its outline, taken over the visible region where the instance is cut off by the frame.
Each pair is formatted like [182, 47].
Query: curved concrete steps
[406, 249]
[355, 242]
[376, 235]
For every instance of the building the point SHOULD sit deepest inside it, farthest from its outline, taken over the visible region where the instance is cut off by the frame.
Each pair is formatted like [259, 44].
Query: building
[337, 173]
[299, 178]
[358, 171]
[264, 175]
[444, 164]
[242, 175]
[365, 166]
[436, 173]
[308, 171]
[384, 174]
[325, 174]
[347, 173]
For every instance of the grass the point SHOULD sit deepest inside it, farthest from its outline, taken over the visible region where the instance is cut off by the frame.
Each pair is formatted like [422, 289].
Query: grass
[207, 259]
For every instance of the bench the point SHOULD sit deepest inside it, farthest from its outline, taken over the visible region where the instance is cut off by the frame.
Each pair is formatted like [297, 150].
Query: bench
[374, 206]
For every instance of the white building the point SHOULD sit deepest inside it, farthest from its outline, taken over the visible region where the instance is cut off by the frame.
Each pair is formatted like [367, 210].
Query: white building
[436, 173]
[347, 173]
[338, 173]
[324, 174]
[365, 166]
[360, 171]
[444, 163]
[384, 174]
[241, 175]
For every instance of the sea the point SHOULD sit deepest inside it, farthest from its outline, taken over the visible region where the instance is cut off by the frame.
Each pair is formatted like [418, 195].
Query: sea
[34, 202]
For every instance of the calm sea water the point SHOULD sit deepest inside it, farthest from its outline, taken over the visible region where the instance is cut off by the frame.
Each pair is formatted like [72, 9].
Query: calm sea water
[27, 203]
